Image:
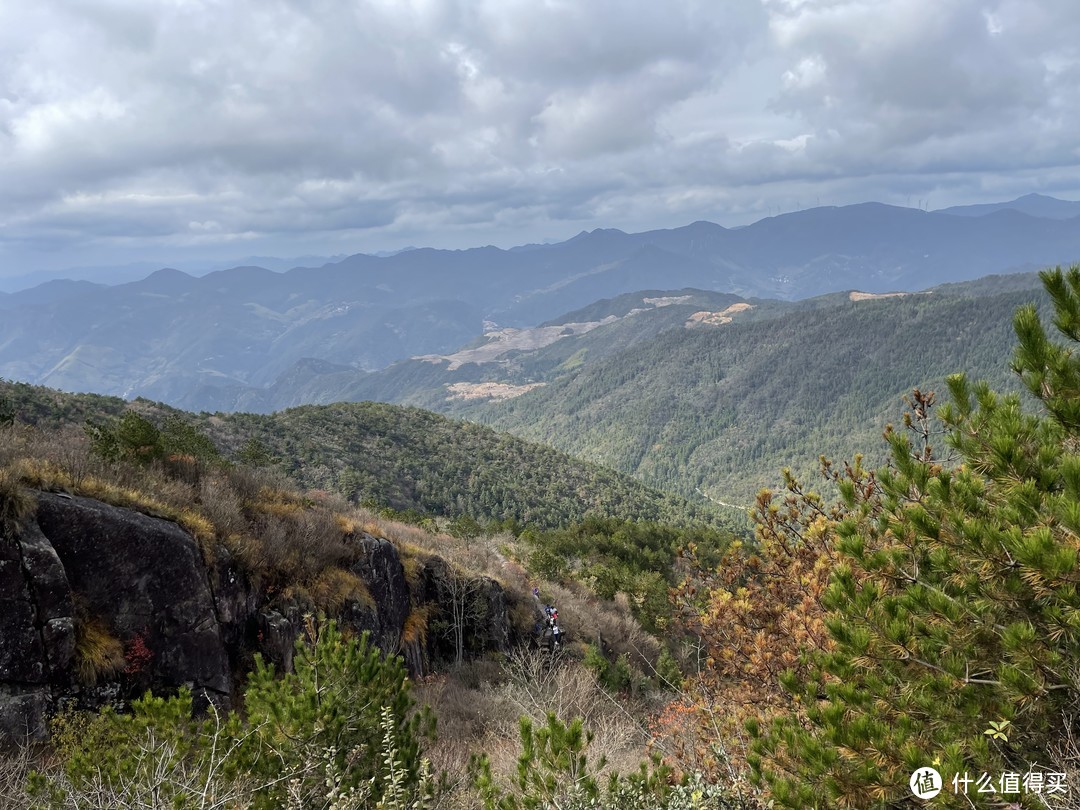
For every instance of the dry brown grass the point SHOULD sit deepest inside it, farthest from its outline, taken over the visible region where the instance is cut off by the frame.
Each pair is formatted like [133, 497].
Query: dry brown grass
[482, 714]
[164, 499]
[334, 587]
[16, 504]
[16, 766]
[277, 534]
[416, 626]
[99, 655]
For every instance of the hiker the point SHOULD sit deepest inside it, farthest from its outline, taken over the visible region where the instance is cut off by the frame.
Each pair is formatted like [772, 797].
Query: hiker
[556, 637]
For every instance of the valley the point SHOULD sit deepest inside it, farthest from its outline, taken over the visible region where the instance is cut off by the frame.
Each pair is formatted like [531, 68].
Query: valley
[342, 476]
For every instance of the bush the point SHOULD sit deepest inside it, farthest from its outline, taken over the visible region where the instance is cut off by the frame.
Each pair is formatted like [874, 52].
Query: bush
[554, 771]
[334, 698]
[339, 731]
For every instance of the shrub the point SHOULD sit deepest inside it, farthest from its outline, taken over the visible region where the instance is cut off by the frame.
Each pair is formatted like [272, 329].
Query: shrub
[554, 771]
[668, 672]
[335, 698]
[138, 657]
[133, 438]
[340, 731]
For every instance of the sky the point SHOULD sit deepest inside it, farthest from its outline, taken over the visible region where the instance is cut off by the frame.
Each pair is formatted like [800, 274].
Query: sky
[173, 131]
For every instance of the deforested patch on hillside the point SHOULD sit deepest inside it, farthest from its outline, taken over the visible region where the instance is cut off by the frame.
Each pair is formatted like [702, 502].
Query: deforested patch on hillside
[855, 295]
[667, 300]
[501, 341]
[491, 391]
[724, 316]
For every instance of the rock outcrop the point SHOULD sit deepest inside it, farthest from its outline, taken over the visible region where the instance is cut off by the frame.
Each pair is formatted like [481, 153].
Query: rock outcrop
[37, 630]
[181, 620]
[146, 579]
[380, 568]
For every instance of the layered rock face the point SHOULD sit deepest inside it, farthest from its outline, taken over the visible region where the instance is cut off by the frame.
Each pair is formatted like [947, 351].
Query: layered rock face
[181, 621]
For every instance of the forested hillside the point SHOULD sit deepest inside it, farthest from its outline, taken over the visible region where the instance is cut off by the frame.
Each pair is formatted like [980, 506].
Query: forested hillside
[511, 357]
[183, 627]
[722, 409]
[386, 455]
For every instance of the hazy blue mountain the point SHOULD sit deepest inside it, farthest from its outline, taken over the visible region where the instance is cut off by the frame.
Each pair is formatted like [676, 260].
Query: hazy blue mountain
[1035, 205]
[50, 292]
[101, 274]
[219, 339]
[124, 273]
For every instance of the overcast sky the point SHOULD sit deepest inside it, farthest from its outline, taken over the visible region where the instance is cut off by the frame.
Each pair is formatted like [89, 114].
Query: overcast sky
[170, 130]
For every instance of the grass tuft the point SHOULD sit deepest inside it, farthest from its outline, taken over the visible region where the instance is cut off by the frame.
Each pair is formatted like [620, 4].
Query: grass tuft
[99, 655]
[16, 504]
[336, 586]
[416, 626]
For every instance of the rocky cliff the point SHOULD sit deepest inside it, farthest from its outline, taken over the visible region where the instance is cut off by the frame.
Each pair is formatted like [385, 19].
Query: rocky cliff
[182, 618]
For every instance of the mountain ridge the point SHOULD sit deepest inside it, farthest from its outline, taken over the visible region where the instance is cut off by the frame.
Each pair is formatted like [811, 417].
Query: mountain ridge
[195, 341]
[721, 409]
[405, 458]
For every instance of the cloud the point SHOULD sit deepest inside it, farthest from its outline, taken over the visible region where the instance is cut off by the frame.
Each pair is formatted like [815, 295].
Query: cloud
[152, 125]
[914, 83]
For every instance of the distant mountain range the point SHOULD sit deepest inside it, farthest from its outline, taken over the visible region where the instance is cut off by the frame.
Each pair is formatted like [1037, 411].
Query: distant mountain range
[240, 337]
[1034, 205]
[123, 273]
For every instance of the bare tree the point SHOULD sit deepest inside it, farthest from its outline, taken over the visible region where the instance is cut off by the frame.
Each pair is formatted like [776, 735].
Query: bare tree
[466, 607]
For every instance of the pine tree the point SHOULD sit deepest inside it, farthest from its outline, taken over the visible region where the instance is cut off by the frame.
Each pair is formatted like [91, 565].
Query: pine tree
[554, 770]
[953, 607]
[334, 700]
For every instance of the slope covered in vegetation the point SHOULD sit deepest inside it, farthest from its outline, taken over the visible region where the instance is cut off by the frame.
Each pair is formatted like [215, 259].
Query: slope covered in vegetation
[721, 409]
[390, 456]
[276, 559]
[286, 556]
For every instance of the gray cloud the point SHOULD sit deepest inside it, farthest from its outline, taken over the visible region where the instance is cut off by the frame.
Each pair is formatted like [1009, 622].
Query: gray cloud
[141, 128]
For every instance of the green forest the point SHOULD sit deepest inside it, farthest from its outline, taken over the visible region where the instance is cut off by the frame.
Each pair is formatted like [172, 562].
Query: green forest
[405, 459]
[720, 411]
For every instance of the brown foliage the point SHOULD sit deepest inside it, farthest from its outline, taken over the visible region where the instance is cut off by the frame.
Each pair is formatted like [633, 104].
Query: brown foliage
[753, 618]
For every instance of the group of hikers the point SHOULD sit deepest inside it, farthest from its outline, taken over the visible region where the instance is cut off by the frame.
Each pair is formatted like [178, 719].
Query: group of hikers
[548, 628]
